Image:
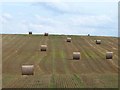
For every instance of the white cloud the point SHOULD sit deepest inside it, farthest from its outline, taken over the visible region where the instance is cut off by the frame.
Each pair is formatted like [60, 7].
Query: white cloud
[50, 20]
[2, 20]
[79, 7]
[59, 0]
[5, 17]
[35, 26]
[15, 27]
[91, 20]
[73, 20]
[73, 24]
[43, 18]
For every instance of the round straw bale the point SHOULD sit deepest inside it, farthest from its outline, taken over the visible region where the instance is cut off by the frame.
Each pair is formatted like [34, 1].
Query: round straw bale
[76, 55]
[98, 41]
[27, 69]
[45, 34]
[68, 39]
[30, 32]
[43, 47]
[109, 55]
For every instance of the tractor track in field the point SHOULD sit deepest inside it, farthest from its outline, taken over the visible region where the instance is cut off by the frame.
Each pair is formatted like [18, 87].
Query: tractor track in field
[41, 56]
[104, 46]
[13, 57]
[27, 61]
[58, 56]
[9, 68]
[103, 64]
[70, 48]
[16, 67]
[41, 61]
[53, 58]
[60, 52]
[43, 64]
[101, 54]
[112, 46]
[64, 57]
[6, 38]
[8, 47]
[106, 49]
[89, 60]
[14, 52]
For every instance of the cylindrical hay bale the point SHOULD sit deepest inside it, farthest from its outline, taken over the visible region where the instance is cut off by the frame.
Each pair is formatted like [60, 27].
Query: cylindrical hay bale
[45, 34]
[76, 55]
[98, 41]
[88, 34]
[68, 39]
[27, 69]
[43, 47]
[109, 55]
[30, 32]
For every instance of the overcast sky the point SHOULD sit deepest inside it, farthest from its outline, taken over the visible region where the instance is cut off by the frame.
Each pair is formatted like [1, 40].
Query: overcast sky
[95, 18]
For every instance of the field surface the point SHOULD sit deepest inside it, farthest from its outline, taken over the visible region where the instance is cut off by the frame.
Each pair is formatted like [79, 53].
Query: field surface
[55, 68]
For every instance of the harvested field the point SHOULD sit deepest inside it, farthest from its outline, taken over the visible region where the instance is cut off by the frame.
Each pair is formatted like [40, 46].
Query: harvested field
[56, 68]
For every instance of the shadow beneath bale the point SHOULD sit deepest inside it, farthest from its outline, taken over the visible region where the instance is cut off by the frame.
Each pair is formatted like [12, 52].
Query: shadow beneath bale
[73, 59]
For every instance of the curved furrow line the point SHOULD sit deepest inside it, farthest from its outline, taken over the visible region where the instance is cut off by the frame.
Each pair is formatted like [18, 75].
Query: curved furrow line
[14, 84]
[53, 56]
[10, 59]
[10, 42]
[102, 64]
[115, 57]
[40, 55]
[6, 53]
[112, 40]
[102, 55]
[111, 47]
[11, 63]
[90, 60]
[8, 38]
[17, 61]
[63, 55]
[46, 62]
[14, 61]
[84, 64]
[32, 51]
[25, 60]
[106, 61]
[59, 56]
[10, 56]
[9, 45]
[70, 48]
[104, 46]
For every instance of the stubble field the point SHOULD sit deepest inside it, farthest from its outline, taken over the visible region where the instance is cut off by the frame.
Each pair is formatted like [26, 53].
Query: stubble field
[55, 68]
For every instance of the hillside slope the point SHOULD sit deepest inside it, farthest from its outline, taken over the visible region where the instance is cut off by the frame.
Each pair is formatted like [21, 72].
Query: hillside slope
[55, 67]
